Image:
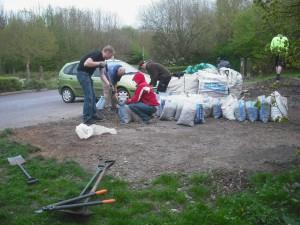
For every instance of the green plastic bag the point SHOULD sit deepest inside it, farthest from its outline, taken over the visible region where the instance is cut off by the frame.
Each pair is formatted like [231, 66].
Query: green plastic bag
[193, 69]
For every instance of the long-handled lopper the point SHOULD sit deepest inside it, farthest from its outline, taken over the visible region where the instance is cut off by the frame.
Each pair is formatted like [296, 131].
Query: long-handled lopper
[79, 205]
[74, 202]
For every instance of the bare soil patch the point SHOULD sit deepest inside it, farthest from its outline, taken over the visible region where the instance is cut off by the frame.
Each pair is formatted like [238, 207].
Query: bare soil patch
[145, 151]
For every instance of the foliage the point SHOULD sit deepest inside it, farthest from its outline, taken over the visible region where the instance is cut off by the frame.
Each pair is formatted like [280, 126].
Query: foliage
[178, 28]
[282, 17]
[169, 199]
[174, 69]
[10, 84]
[27, 40]
[34, 84]
[173, 32]
[37, 82]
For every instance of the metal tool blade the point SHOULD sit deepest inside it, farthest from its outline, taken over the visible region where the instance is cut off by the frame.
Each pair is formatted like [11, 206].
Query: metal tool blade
[16, 160]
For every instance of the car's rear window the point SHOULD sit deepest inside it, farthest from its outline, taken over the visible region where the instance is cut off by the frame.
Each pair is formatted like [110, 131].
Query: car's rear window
[71, 69]
[68, 69]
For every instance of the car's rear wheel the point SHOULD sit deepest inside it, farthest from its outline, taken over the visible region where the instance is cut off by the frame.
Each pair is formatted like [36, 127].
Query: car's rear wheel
[67, 95]
[123, 94]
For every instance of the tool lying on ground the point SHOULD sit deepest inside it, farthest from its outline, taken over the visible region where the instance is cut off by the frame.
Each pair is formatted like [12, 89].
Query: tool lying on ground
[78, 205]
[19, 160]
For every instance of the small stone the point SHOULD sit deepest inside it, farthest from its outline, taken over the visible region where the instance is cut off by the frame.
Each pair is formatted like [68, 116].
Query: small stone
[175, 210]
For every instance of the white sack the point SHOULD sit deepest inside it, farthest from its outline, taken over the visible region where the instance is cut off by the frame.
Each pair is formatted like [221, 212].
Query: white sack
[176, 85]
[234, 80]
[279, 108]
[188, 113]
[169, 109]
[212, 84]
[186, 84]
[228, 106]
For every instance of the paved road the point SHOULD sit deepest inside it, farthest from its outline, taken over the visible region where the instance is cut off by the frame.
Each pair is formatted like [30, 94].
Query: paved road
[20, 110]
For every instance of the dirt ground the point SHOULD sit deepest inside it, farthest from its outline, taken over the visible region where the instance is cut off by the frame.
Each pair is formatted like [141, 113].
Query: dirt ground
[145, 151]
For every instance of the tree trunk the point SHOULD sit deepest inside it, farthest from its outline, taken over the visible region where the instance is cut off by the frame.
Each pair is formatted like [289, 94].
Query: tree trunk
[242, 69]
[249, 67]
[28, 69]
[41, 73]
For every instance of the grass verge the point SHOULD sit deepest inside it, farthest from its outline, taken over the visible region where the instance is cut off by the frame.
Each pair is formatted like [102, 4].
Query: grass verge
[267, 77]
[170, 199]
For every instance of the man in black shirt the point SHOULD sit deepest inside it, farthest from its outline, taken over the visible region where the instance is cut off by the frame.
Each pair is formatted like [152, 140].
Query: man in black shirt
[86, 68]
[157, 72]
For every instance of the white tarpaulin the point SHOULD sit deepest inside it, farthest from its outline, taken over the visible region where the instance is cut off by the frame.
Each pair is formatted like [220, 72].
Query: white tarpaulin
[84, 132]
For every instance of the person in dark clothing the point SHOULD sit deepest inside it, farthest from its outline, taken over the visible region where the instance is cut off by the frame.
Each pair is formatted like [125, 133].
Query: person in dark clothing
[86, 68]
[223, 63]
[157, 72]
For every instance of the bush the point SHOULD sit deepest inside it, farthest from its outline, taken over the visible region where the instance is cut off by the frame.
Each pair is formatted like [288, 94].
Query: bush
[34, 75]
[10, 84]
[52, 84]
[34, 84]
[174, 69]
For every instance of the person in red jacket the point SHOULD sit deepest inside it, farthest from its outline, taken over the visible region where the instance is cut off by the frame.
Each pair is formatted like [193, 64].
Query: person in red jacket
[144, 101]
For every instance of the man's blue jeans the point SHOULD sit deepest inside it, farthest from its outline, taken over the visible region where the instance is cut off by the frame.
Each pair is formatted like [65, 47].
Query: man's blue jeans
[89, 106]
[144, 111]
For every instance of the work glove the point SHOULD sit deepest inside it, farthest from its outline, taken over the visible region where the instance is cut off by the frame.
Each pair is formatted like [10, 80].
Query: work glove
[102, 64]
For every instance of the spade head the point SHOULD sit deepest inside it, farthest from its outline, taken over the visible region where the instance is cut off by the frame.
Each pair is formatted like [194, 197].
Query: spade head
[16, 160]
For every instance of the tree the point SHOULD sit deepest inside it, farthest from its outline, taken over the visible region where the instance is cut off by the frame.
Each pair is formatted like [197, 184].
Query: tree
[2, 18]
[28, 41]
[282, 16]
[177, 24]
[249, 38]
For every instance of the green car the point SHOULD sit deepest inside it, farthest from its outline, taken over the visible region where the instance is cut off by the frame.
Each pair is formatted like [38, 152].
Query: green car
[69, 87]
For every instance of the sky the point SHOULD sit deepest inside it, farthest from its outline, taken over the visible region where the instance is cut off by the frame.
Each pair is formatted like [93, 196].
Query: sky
[127, 10]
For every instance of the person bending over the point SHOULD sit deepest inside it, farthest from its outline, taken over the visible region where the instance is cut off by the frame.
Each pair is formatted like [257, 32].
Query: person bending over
[144, 101]
[157, 72]
[86, 68]
[112, 75]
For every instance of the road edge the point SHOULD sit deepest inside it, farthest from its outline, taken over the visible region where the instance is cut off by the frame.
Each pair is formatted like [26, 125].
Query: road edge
[23, 92]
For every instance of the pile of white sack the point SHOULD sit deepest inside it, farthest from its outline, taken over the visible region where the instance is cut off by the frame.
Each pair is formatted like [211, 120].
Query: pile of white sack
[191, 109]
[212, 82]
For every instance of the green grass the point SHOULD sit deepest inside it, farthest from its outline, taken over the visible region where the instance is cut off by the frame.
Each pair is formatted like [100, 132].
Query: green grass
[267, 77]
[176, 199]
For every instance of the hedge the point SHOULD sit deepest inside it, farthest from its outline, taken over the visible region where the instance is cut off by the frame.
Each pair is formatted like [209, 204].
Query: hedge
[34, 84]
[10, 84]
[174, 69]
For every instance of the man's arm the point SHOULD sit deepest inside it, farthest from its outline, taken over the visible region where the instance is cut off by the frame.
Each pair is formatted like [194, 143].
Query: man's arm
[91, 63]
[104, 78]
[154, 79]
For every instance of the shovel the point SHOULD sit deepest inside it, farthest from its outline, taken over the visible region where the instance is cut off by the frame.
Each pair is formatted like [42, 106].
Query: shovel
[19, 160]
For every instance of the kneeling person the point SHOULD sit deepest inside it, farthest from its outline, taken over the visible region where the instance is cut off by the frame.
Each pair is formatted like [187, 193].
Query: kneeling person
[144, 101]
